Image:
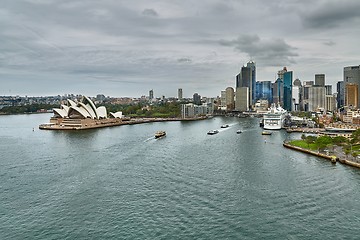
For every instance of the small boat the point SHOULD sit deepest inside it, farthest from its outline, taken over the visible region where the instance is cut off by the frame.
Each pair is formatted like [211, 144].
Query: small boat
[266, 133]
[238, 131]
[225, 126]
[160, 134]
[212, 132]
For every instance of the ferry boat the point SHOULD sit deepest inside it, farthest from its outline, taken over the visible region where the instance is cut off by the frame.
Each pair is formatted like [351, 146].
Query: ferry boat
[212, 132]
[160, 134]
[266, 133]
[274, 118]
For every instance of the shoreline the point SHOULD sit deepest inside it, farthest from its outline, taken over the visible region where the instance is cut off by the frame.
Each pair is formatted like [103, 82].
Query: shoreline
[83, 124]
[332, 158]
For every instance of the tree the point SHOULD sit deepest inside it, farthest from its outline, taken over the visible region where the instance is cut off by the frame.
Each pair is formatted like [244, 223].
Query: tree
[310, 139]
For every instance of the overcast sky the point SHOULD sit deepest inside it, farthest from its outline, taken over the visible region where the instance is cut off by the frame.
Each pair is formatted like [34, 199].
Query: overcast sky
[125, 48]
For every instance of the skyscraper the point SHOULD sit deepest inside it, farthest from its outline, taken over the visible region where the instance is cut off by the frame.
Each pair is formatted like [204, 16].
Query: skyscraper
[296, 95]
[180, 93]
[263, 91]
[340, 94]
[288, 77]
[151, 94]
[230, 104]
[197, 99]
[320, 79]
[242, 99]
[351, 96]
[352, 75]
[247, 78]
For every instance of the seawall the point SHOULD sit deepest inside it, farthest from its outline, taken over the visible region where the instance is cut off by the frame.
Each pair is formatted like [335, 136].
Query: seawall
[332, 158]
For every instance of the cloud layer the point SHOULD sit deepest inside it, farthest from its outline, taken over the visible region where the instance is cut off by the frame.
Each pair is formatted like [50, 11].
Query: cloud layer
[121, 49]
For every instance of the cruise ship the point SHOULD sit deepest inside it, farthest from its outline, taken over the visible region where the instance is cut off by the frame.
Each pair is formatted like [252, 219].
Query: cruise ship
[274, 118]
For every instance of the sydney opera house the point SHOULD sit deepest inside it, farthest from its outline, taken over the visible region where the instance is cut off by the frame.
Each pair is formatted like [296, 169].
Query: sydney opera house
[82, 115]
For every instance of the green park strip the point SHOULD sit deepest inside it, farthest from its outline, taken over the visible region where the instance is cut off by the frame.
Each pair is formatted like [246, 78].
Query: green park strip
[303, 144]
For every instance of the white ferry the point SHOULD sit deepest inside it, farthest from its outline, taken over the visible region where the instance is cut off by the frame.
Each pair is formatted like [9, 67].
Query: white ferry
[274, 118]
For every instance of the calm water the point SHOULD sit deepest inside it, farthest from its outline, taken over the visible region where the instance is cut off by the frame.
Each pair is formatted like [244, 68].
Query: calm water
[121, 183]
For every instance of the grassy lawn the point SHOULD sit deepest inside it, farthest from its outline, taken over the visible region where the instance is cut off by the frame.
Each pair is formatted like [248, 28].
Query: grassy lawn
[303, 144]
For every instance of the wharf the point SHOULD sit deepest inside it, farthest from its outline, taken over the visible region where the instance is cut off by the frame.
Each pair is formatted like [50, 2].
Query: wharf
[82, 124]
[305, 130]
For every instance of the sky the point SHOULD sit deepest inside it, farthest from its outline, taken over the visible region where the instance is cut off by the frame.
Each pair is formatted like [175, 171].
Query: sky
[125, 48]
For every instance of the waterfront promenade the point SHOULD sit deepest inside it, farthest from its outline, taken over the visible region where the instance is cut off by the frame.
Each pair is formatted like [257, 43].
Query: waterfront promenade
[82, 124]
[337, 156]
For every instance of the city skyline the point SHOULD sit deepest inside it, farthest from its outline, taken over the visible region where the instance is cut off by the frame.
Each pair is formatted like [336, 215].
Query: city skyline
[117, 49]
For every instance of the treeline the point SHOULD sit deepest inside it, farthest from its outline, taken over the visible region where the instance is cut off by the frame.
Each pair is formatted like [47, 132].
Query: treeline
[33, 108]
[164, 110]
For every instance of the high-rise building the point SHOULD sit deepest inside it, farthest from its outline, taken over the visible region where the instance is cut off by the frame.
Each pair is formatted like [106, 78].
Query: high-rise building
[328, 89]
[320, 80]
[316, 98]
[180, 93]
[197, 99]
[352, 95]
[263, 91]
[296, 95]
[281, 73]
[352, 75]
[251, 65]
[247, 78]
[242, 99]
[229, 98]
[340, 98]
[278, 91]
[288, 78]
[223, 100]
[330, 103]
[151, 94]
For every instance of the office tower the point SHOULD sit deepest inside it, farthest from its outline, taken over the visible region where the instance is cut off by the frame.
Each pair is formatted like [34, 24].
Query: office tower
[330, 99]
[151, 94]
[197, 99]
[340, 98]
[278, 91]
[281, 73]
[330, 103]
[288, 77]
[229, 98]
[296, 95]
[352, 95]
[352, 75]
[316, 98]
[320, 79]
[328, 89]
[247, 78]
[263, 91]
[180, 94]
[223, 100]
[242, 99]
[251, 65]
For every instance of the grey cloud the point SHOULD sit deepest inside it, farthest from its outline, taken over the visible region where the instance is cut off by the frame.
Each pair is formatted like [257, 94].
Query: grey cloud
[184, 60]
[150, 12]
[329, 43]
[331, 14]
[271, 52]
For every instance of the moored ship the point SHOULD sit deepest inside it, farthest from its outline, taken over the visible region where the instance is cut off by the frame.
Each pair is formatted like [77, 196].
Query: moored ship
[274, 118]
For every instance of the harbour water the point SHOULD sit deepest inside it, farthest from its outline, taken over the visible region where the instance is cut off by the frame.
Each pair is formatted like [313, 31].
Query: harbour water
[122, 183]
